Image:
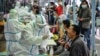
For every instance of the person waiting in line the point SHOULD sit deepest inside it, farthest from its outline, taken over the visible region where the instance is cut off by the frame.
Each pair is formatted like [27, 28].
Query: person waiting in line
[77, 47]
[61, 49]
[84, 18]
[59, 22]
[49, 13]
[59, 8]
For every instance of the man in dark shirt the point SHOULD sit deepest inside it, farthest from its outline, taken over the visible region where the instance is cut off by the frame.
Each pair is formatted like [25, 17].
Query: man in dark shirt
[77, 48]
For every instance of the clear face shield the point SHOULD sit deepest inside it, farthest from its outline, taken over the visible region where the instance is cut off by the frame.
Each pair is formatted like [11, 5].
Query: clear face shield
[27, 18]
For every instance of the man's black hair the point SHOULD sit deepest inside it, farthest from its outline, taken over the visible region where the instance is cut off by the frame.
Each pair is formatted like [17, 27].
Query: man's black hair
[66, 23]
[36, 7]
[76, 28]
[52, 3]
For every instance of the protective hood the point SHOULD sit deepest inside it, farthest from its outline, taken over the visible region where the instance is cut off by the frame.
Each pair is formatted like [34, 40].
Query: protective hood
[23, 10]
[24, 16]
[13, 14]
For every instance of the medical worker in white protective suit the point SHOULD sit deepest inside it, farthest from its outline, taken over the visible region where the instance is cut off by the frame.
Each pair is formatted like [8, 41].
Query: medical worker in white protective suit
[35, 34]
[23, 11]
[12, 31]
[25, 17]
[23, 14]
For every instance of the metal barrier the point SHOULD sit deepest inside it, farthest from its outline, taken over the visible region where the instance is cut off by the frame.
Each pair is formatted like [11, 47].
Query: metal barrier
[98, 21]
[3, 54]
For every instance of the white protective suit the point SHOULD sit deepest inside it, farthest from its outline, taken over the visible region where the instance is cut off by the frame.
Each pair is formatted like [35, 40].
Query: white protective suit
[33, 36]
[12, 31]
[17, 6]
[33, 17]
[22, 12]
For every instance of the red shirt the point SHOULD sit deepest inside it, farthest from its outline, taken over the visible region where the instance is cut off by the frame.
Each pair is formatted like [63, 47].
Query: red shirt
[59, 10]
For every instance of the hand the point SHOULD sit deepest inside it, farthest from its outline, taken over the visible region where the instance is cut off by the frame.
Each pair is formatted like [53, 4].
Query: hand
[62, 42]
[67, 45]
[80, 19]
[45, 37]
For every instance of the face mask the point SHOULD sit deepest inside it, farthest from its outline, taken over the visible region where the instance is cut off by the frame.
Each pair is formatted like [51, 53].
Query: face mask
[84, 6]
[27, 18]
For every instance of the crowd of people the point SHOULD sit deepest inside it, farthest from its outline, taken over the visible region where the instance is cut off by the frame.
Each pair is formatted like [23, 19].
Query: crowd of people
[28, 27]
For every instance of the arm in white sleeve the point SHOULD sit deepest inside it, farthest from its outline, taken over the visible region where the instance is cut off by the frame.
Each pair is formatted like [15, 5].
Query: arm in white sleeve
[44, 20]
[29, 37]
[48, 31]
[19, 26]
